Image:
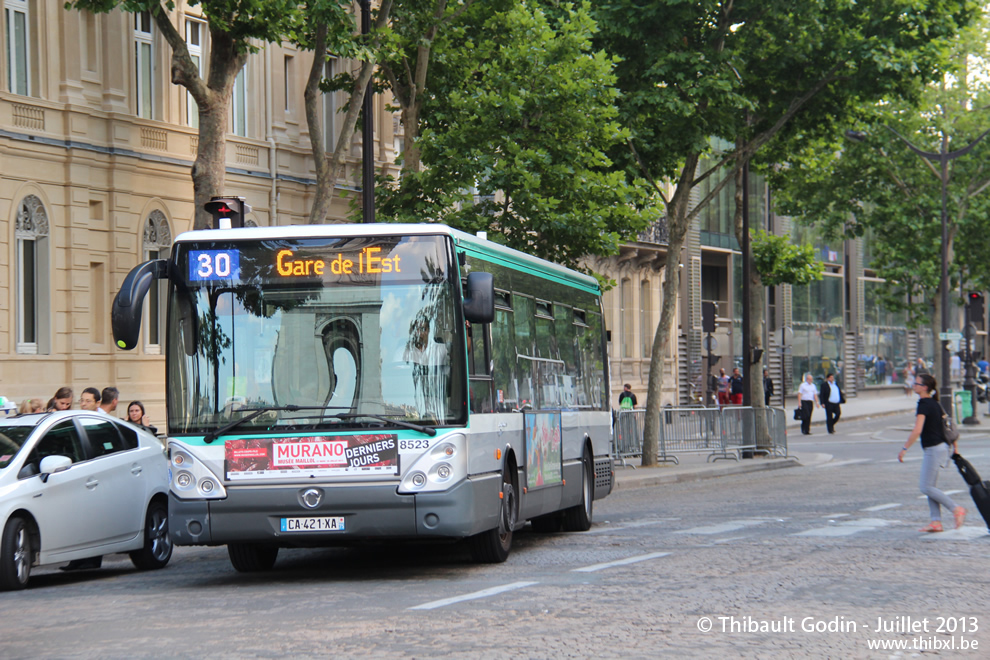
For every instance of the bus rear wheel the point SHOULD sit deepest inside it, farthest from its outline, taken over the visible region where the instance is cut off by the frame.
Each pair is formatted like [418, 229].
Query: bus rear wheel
[252, 557]
[493, 546]
[578, 517]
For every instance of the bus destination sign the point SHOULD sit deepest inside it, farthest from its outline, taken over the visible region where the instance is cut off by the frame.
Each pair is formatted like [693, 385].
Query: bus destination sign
[363, 260]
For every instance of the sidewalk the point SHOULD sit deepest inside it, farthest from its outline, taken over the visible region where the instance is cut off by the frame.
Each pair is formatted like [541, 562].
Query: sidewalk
[694, 467]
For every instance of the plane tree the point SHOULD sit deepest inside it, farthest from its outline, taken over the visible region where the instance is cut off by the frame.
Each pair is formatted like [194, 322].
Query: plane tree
[764, 77]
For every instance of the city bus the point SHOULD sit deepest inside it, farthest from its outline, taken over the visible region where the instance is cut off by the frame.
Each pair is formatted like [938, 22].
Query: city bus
[333, 384]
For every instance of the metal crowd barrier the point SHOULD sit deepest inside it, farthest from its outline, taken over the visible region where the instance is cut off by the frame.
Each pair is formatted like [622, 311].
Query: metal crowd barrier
[726, 432]
[627, 435]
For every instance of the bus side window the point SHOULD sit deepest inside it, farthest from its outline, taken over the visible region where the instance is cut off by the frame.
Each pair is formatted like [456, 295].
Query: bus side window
[479, 359]
[504, 352]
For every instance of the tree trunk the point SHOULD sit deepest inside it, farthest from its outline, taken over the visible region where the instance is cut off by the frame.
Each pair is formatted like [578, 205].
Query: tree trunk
[677, 223]
[327, 172]
[213, 101]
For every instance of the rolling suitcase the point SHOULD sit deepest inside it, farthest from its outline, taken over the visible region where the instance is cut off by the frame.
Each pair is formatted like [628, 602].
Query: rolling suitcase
[978, 489]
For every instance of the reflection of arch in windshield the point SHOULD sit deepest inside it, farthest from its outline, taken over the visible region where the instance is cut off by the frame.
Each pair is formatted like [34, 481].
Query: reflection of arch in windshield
[342, 344]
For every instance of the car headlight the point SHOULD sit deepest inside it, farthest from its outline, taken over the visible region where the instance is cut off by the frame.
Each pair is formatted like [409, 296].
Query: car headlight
[189, 478]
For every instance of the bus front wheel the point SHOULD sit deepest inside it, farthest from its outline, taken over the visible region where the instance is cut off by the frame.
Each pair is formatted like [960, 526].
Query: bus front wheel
[252, 557]
[492, 546]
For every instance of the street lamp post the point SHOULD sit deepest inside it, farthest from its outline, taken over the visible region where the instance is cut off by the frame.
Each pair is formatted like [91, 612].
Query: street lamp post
[367, 134]
[942, 158]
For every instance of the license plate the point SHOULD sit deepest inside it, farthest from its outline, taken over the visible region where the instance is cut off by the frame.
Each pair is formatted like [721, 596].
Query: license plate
[315, 524]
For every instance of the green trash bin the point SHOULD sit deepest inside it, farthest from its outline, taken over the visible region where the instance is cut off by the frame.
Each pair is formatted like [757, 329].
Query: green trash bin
[964, 405]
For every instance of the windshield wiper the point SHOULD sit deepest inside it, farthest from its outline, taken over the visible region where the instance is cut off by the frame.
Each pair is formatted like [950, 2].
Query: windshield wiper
[257, 412]
[428, 430]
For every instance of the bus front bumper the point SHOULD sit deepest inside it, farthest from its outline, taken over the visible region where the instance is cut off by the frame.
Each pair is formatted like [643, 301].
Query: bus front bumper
[254, 514]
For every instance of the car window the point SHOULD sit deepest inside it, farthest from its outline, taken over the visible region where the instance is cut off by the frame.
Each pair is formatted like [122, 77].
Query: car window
[129, 436]
[12, 438]
[60, 440]
[103, 437]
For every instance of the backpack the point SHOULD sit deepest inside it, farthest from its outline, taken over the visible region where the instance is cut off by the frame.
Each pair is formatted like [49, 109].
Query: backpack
[949, 431]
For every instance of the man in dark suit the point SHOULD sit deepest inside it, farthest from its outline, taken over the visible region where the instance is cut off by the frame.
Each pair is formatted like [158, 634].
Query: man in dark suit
[767, 388]
[832, 399]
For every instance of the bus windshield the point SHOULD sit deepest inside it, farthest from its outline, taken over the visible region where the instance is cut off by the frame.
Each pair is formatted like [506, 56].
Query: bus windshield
[361, 328]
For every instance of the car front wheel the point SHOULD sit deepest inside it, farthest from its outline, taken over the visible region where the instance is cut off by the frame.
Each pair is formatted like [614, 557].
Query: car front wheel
[157, 548]
[15, 559]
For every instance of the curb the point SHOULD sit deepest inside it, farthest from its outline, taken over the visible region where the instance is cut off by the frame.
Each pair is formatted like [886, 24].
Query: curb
[644, 477]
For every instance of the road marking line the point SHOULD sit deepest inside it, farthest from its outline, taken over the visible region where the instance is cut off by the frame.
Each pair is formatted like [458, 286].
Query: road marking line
[837, 515]
[722, 528]
[851, 461]
[730, 539]
[620, 562]
[964, 533]
[846, 527]
[484, 593]
[882, 507]
[624, 526]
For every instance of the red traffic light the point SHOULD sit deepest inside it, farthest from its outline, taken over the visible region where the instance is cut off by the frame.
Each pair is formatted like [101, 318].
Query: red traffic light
[227, 211]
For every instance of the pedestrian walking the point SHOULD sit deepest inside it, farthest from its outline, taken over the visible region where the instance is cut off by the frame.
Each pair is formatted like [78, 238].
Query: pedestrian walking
[908, 380]
[929, 427]
[723, 388]
[736, 387]
[767, 388]
[831, 399]
[627, 400]
[808, 397]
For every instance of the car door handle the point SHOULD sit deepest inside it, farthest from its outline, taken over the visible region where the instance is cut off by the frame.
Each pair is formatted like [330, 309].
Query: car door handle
[92, 483]
[136, 470]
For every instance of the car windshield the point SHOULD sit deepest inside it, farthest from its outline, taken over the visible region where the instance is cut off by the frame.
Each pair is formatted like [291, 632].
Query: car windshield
[13, 434]
[310, 329]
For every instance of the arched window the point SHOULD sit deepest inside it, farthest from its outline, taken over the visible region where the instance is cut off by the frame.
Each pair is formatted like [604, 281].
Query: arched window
[31, 236]
[157, 245]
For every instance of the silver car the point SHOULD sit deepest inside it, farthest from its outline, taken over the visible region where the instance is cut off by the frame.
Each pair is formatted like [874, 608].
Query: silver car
[76, 485]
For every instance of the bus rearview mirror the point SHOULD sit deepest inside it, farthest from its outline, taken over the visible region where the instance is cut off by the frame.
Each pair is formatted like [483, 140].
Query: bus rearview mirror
[479, 298]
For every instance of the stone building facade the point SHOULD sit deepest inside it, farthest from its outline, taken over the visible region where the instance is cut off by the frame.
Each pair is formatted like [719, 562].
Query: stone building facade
[96, 147]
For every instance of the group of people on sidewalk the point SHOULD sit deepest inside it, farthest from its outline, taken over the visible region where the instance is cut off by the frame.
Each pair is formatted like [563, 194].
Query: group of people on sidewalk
[829, 397]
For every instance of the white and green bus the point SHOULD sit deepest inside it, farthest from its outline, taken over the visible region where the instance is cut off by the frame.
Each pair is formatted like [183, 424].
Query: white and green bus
[330, 384]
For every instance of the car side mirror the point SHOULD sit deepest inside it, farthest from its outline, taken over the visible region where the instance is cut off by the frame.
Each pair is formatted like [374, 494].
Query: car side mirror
[53, 464]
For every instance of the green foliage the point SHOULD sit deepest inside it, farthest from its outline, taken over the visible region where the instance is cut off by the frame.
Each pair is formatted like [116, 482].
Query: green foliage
[269, 21]
[778, 261]
[514, 137]
[881, 190]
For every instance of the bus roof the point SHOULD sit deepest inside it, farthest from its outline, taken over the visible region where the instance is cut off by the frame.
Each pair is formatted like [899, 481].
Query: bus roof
[478, 247]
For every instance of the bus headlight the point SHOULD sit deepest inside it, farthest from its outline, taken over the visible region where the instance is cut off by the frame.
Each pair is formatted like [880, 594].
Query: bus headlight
[439, 468]
[190, 478]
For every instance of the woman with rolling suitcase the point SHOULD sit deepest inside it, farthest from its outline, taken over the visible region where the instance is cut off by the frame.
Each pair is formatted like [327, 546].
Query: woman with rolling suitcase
[929, 427]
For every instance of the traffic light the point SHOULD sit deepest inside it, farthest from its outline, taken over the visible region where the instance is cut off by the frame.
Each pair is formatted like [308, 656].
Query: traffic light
[708, 312]
[227, 212]
[974, 301]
